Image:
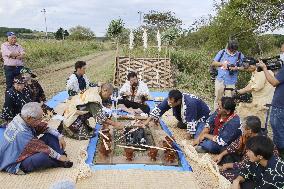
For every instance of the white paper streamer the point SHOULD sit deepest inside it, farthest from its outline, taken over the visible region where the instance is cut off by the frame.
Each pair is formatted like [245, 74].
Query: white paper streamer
[131, 40]
[159, 40]
[145, 39]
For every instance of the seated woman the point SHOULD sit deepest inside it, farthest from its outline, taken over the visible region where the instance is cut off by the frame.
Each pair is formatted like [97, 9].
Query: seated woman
[234, 157]
[134, 93]
[78, 81]
[221, 129]
[22, 151]
[15, 98]
[80, 108]
[35, 89]
[264, 170]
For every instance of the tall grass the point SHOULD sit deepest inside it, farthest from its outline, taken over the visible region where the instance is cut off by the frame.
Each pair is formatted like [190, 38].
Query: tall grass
[41, 53]
[192, 69]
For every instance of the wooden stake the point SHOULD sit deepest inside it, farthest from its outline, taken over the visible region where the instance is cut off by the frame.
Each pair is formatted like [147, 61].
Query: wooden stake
[105, 144]
[104, 135]
[131, 147]
[159, 148]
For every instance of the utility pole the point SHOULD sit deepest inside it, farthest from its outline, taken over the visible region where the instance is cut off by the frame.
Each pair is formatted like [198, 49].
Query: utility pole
[140, 17]
[63, 31]
[44, 11]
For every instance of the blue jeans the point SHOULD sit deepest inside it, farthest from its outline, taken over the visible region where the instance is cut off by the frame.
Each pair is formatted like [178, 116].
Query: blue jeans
[10, 73]
[42, 160]
[277, 124]
[208, 145]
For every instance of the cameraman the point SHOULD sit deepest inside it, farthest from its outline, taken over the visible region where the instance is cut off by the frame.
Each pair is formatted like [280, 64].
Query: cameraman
[262, 93]
[227, 60]
[277, 110]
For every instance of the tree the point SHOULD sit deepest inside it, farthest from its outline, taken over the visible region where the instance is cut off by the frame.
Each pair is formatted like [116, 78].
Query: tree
[115, 29]
[243, 20]
[81, 33]
[66, 33]
[161, 20]
[170, 36]
[59, 34]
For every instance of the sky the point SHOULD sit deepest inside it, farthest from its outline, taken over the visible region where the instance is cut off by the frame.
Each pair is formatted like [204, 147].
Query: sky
[95, 14]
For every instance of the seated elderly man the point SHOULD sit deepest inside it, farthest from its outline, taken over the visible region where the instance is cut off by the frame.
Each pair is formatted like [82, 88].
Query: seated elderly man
[22, 151]
[188, 109]
[15, 98]
[78, 81]
[82, 108]
[221, 129]
[134, 93]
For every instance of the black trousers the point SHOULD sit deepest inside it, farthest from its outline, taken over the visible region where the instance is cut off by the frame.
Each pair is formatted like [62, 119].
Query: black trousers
[135, 105]
[10, 73]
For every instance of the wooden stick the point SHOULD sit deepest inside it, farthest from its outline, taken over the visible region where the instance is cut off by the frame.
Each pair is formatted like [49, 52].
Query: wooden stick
[105, 144]
[104, 135]
[159, 148]
[171, 138]
[131, 147]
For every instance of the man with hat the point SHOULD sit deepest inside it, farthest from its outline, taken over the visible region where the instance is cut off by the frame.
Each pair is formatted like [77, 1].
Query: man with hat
[13, 55]
[15, 98]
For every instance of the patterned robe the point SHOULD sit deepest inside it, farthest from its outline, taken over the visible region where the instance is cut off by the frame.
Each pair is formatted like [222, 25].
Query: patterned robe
[14, 101]
[36, 91]
[238, 147]
[269, 177]
[79, 109]
[191, 112]
[19, 141]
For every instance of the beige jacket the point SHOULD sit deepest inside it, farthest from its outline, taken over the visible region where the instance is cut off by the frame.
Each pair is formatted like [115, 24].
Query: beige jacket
[71, 113]
[262, 90]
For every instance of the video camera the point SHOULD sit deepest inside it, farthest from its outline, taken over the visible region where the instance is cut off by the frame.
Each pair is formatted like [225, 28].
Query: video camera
[231, 72]
[245, 98]
[273, 63]
[214, 72]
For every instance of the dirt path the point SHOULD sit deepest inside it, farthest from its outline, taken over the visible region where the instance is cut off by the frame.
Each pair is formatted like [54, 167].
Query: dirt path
[53, 77]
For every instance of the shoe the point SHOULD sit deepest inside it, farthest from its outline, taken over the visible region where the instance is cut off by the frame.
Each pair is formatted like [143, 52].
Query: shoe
[66, 164]
[199, 149]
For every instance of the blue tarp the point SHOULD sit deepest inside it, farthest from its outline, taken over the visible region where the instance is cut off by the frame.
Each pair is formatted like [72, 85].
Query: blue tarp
[62, 96]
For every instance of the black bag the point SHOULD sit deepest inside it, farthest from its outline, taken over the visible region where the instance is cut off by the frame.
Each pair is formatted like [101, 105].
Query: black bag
[213, 70]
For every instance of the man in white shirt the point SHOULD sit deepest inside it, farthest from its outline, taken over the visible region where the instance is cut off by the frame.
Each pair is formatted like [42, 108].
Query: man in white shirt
[134, 93]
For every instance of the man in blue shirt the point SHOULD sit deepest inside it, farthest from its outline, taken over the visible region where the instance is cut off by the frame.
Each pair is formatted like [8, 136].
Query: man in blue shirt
[228, 62]
[188, 109]
[277, 109]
